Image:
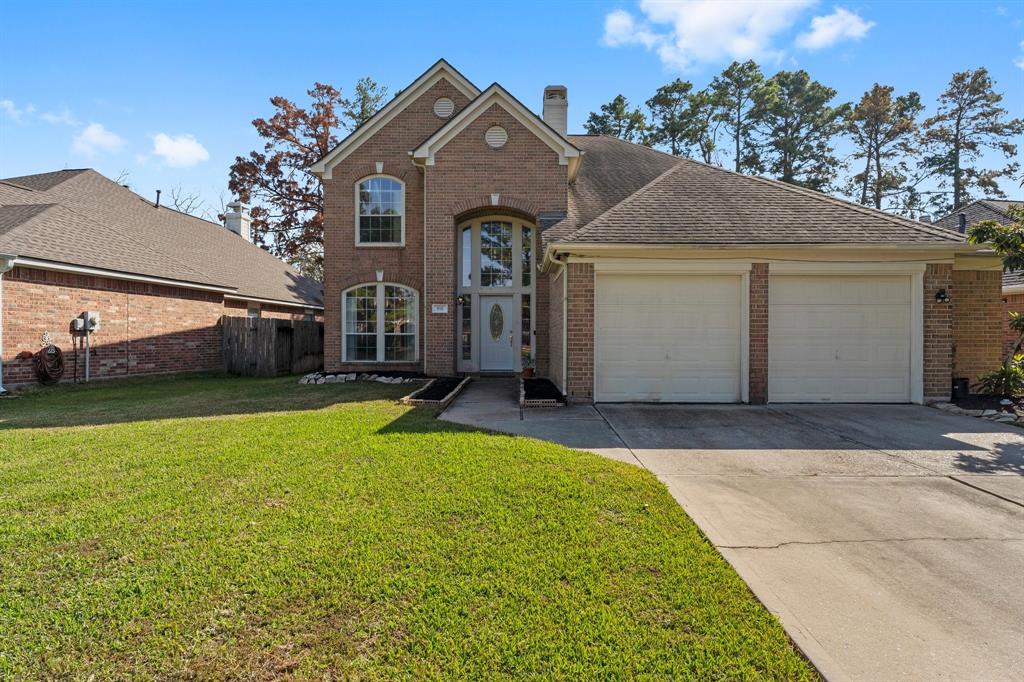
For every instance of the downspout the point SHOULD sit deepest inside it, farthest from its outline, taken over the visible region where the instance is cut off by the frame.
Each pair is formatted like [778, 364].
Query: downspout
[423, 292]
[6, 264]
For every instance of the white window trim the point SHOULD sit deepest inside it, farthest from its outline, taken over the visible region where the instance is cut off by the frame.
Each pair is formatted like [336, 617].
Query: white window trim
[380, 325]
[355, 190]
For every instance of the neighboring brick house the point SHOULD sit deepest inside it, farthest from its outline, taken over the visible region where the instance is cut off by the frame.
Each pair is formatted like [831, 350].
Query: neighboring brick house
[73, 241]
[464, 233]
[1012, 282]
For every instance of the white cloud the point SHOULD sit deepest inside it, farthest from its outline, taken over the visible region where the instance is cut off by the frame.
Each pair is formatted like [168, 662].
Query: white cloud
[94, 138]
[833, 28]
[689, 32]
[65, 117]
[180, 150]
[13, 112]
[1019, 61]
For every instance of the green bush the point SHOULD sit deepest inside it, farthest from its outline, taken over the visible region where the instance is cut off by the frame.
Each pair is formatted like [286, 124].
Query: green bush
[1007, 381]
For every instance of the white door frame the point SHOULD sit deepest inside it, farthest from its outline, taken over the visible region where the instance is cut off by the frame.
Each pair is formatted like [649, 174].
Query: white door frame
[913, 270]
[641, 266]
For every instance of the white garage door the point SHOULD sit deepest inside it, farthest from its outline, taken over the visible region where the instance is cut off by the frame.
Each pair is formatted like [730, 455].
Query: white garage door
[839, 338]
[667, 338]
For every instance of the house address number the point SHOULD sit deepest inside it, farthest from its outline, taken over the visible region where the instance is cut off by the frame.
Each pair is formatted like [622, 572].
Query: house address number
[439, 308]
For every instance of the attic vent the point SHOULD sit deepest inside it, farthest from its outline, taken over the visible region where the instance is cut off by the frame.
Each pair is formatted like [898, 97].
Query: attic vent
[496, 137]
[444, 107]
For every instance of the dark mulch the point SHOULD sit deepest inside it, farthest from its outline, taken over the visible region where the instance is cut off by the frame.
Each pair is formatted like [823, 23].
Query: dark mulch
[989, 402]
[438, 390]
[541, 389]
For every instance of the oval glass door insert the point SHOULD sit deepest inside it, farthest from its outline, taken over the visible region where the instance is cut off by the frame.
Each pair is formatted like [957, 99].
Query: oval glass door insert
[497, 320]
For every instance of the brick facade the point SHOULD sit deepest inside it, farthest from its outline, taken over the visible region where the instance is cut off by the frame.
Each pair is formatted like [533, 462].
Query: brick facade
[1014, 303]
[580, 330]
[345, 264]
[978, 322]
[758, 333]
[938, 332]
[144, 328]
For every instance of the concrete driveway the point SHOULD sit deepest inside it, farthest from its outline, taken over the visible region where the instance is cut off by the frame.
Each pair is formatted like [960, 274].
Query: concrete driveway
[889, 540]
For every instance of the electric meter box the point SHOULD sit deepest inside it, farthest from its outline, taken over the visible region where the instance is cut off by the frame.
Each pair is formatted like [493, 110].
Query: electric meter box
[92, 321]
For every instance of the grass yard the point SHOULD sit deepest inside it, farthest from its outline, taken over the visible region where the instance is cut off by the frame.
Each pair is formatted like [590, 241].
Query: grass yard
[217, 528]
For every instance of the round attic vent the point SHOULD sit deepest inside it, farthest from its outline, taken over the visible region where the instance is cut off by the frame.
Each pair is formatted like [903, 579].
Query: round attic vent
[444, 107]
[496, 136]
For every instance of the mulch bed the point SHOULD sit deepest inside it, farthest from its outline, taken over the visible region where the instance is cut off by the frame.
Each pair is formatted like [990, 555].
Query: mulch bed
[541, 389]
[990, 402]
[438, 390]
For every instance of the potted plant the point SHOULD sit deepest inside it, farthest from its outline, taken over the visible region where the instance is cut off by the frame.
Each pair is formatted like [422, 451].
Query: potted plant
[527, 365]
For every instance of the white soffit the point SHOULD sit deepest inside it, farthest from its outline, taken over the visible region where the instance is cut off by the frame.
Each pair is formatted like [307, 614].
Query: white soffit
[440, 70]
[496, 95]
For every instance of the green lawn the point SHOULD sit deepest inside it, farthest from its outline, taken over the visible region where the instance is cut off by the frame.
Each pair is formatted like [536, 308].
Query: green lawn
[222, 528]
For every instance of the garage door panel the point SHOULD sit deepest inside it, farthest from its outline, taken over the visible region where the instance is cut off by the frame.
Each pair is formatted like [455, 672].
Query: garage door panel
[667, 338]
[839, 339]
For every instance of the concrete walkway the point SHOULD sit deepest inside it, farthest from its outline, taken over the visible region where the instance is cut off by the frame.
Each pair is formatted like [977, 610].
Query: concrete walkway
[889, 540]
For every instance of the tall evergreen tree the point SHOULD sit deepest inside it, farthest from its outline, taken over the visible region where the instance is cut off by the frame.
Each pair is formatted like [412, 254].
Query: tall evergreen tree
[969, 121]
[734, 91]
[704, 124]
[884, 132]
[618, 120]
[671, 117]
[796, 127]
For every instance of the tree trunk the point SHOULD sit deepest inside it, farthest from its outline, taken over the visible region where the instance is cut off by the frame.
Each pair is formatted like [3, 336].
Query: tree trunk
[739, 122]
[878, 179]
[864, 184]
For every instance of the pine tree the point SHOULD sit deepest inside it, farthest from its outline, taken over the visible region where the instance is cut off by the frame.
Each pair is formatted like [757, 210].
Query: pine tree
[884, 131]
[733, 92]
[618, 120]
[670, 117]
[969, 121]
[796, 128]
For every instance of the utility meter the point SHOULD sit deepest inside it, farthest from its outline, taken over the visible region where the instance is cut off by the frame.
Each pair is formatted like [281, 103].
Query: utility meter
[92, 321]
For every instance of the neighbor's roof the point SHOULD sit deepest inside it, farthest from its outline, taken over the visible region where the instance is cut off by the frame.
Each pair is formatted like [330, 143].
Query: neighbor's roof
[80, 218]
[986, 209]
[671, 200]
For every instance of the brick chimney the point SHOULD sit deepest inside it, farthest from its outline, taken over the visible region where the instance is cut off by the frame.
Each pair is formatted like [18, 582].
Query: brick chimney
[556, 108]
[237, 220]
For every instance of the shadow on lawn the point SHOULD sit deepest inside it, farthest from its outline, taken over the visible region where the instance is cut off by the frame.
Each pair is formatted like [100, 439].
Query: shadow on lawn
[152, 398]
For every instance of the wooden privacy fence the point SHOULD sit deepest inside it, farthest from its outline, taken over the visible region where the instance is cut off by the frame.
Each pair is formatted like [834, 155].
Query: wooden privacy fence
[266, 347]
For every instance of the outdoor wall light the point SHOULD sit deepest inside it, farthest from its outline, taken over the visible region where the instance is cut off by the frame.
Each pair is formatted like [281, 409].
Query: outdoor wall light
[461, 300]
[941, 296]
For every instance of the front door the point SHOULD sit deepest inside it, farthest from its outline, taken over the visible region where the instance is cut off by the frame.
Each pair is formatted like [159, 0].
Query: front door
[496, 337]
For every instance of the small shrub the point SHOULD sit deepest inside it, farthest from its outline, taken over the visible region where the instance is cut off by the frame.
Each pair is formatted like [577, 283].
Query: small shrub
[1007, 381]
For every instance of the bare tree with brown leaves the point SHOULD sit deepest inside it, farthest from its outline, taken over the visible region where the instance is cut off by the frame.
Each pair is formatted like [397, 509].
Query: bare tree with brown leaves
[287, 201]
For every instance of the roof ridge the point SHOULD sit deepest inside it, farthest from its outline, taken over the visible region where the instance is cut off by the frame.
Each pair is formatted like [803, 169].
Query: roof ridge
[582, 229]
[989, 203]
[828, 198]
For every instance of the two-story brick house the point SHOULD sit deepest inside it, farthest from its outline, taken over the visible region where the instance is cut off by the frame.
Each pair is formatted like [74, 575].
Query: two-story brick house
[464, 233]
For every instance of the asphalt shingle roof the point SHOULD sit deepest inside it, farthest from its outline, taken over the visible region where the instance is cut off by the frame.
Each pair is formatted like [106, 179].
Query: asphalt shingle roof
[986, 209]
[687, 202]
[80, 217]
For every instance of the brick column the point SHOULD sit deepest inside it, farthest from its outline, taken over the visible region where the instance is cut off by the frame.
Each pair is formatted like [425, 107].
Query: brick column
[938, 332]
[580, 309]
[758, 328]
[978, 319]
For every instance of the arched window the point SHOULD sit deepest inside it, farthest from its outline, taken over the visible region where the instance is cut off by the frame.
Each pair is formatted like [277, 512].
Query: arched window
[380, 323]
[380, 211]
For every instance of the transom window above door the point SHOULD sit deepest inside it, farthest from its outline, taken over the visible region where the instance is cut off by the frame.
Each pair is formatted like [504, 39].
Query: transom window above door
[496, 253]
[380, 211]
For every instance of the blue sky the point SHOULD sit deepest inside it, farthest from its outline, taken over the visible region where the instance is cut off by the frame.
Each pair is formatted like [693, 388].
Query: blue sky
[166, 91]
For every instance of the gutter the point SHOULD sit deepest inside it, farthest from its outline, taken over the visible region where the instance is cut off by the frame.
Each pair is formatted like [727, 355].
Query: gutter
[118, 274]
[6, 264]
[271, 301]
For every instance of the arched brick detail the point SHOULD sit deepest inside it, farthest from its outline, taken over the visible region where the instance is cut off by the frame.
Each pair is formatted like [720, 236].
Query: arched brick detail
[481, 205]
[403, 173]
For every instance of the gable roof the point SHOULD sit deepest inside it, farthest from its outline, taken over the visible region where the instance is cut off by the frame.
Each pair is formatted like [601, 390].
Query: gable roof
[699, 204]
[976, 211]
[568, 154]
[426, 80]
[80, 218]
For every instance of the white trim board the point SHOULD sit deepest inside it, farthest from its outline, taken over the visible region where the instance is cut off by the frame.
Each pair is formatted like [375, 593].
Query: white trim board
[496, 94]
[440, 70]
